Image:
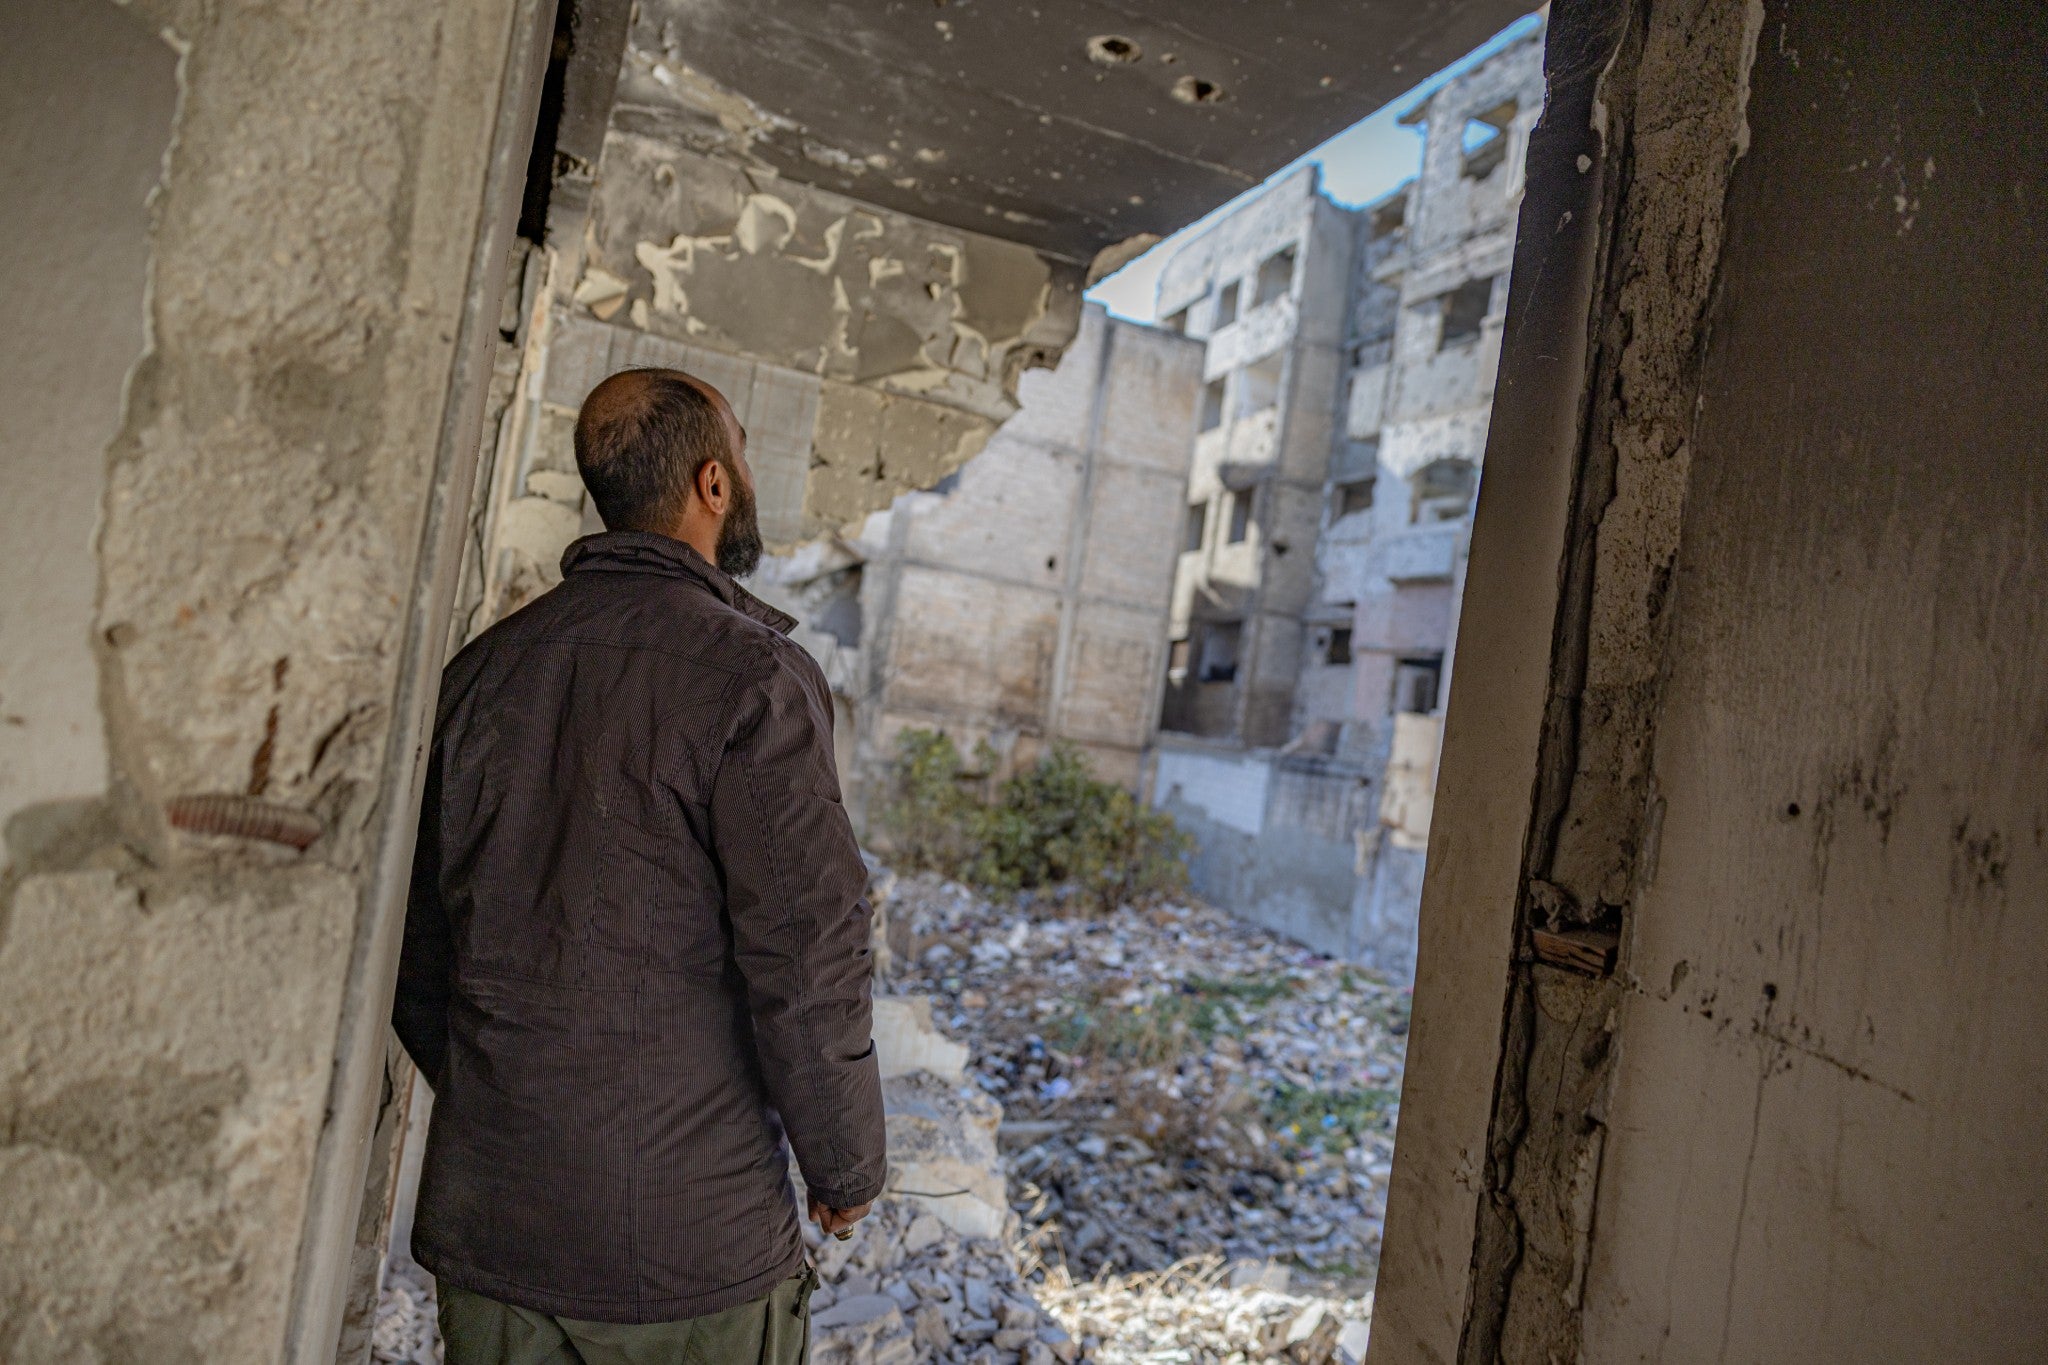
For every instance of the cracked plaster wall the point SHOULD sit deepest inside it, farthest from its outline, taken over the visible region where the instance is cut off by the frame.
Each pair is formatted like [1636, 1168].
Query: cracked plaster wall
[174, 1000]
[1784, 758]
[1827, 1115]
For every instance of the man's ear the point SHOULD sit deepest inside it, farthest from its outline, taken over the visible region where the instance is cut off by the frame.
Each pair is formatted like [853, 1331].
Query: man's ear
[714, 487]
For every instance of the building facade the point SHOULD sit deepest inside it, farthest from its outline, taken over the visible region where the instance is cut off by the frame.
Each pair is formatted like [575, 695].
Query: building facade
[1332, 484]
[1023, 600]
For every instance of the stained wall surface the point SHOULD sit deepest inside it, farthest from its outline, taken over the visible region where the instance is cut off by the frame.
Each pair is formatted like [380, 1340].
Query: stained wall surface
[1830, 1115]
[87, 95]
[1740, 790]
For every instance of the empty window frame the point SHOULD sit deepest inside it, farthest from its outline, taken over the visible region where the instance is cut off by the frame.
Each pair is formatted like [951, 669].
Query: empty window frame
[1337, 646]
[1390, 217]
[1218, 662]
[1177, 661]
[1415, 684]
[1350, 496]
[1197, 528]
[1226, 305]
[1276, 277]
[1240, 517]
[1442, 490]
[1176, 321]
[1483, 142]
[1212, 405]
[1259, 388]
[1464, 312]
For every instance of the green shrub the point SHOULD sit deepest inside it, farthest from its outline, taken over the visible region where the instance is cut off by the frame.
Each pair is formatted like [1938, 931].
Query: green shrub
[932, 805]
[1054, 825]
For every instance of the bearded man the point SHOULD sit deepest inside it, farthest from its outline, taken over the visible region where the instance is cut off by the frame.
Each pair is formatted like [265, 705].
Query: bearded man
[636, 955]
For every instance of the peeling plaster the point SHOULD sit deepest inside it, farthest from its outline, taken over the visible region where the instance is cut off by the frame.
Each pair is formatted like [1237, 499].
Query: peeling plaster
[780, 272]
[919, 333]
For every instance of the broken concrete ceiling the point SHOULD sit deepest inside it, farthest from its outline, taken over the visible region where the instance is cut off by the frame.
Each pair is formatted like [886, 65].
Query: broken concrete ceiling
[1068, 127]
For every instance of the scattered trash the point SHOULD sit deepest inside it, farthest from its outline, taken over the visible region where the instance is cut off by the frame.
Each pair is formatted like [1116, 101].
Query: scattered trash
[1196, 1123]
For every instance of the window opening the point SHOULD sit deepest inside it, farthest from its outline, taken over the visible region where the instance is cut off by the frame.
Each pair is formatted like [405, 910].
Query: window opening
[1442, 490]
[1391, 216]
[1177, 660]
[1276, 277]
[1484, 140]
[1219, 651]
[1353, 495]
[1337, 648]
[1240, 517]
[1226, 305]
[1261, 385]
[1176, 321]
[1197, 527]
[1212, 405]
[1465, 309]
[1415, 684]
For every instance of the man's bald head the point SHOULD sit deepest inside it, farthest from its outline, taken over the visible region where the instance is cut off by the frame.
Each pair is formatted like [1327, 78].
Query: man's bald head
[641, 439]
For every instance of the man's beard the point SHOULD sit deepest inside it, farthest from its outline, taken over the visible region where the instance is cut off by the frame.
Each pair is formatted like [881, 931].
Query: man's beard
[739, 538]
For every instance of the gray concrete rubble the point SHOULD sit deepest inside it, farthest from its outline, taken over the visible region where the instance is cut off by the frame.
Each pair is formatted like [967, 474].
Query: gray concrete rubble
[1051, 1202]
[1175, 1083]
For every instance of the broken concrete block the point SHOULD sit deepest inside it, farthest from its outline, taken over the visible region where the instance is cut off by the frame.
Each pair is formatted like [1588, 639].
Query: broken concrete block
[922, 1232]
[857, 1311]
[1267, 1275]
[907, 1041]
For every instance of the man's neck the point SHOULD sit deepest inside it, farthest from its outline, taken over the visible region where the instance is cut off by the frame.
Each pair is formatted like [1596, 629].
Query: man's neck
[700, 534]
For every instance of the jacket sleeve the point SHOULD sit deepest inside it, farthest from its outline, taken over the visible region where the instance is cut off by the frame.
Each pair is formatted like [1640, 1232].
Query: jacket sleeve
[795, 892]
[419, 1011]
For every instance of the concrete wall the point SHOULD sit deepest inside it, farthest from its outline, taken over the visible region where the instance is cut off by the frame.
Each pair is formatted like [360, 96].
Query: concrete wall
[87, 96]
[194, 1028]
[1027, 602]
[1273, 836]
[1848, 753]
[1785, 738]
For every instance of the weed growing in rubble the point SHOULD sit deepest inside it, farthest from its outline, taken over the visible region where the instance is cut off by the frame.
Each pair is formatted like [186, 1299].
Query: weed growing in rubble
[1318, 1118]
[1165, 1027]
[1054, 825]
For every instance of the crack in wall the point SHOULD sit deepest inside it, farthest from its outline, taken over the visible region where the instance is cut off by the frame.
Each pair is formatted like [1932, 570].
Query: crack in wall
[1669, 108]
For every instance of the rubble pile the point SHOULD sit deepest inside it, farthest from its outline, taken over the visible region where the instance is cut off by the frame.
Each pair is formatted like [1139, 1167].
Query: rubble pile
[407, 1330]
[1154, 1135]
[908, 1288]
[1204, 1310]
[1175, 1084]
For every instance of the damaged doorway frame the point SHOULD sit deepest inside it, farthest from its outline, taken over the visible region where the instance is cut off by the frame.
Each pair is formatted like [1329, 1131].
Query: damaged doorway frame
[1487, 773]
[358, 1096]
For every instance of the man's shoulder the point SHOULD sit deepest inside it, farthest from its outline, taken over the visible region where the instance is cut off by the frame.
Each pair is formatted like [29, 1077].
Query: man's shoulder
[668, 622]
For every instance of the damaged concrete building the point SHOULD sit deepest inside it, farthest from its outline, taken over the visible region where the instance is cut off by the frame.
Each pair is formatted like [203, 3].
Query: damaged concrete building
[1349, 368]
[1023, 600]
[1731, 956]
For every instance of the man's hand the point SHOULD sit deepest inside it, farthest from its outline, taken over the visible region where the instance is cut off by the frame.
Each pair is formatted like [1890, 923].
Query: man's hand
[838, 1222]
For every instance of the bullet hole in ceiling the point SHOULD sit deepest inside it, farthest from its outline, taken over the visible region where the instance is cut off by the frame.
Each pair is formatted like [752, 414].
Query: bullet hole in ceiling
[1110, 49]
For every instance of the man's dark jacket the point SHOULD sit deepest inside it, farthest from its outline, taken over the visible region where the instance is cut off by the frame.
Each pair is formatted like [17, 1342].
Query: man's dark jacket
[637, 935]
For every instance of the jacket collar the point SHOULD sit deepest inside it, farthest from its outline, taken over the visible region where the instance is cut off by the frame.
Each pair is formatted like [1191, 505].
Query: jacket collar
[647, 552]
